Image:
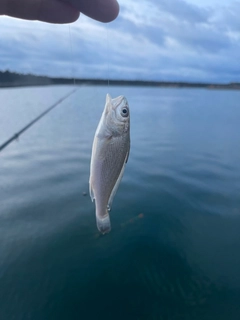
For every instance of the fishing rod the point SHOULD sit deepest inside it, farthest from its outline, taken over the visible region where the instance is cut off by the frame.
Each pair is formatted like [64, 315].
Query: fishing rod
[16, 135]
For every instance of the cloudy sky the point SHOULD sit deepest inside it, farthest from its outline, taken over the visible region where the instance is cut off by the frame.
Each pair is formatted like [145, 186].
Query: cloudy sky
[169, 40]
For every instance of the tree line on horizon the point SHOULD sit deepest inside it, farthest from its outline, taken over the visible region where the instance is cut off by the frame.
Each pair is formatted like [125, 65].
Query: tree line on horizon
[11, 79]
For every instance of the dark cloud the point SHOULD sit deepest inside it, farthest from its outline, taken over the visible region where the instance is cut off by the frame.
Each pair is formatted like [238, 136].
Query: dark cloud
[183, 11]
[159, 40]
[205, 38]
[228, 18]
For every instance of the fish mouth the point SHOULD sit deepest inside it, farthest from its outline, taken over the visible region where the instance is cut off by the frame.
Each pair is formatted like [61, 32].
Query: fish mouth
[121, 100]
[113, 104]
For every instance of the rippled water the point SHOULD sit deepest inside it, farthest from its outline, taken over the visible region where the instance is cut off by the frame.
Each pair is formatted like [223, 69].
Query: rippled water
[174, 249]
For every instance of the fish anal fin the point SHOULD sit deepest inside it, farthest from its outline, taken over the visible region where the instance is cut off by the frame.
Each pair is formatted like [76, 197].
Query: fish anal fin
[126, 160]
[91, 192]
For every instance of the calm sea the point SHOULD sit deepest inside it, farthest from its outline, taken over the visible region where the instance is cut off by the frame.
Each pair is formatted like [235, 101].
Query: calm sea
[174, 248]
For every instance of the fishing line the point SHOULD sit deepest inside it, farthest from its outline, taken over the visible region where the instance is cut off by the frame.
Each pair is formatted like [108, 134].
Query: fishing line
[71, 55]
[17, 135]
[73, 64]
[108, 69]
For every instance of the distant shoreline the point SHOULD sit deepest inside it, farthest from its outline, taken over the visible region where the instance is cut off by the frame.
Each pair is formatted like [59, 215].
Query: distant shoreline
[12, 79]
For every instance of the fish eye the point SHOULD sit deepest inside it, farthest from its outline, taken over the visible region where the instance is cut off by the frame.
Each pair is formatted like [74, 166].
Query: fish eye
[124, 112]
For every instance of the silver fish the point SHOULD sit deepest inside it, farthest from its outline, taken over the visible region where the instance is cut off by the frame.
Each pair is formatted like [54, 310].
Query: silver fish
[110, 151]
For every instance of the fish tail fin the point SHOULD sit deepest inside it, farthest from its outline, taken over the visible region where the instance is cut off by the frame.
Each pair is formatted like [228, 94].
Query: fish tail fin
[103, 223]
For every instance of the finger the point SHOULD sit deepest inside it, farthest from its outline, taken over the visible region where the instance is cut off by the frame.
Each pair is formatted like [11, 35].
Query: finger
[101, 10]
[52, 11]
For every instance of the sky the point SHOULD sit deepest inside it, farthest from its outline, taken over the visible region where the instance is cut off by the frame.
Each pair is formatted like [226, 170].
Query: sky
[163, 40]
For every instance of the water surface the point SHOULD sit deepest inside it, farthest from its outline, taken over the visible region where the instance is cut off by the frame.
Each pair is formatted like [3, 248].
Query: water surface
[174, 249]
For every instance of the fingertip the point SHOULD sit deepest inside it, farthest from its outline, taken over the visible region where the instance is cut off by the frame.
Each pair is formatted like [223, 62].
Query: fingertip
[112, 13]
[56, 12]
[108, 11]
[73, 16]
[70, 17]
[100, 10]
